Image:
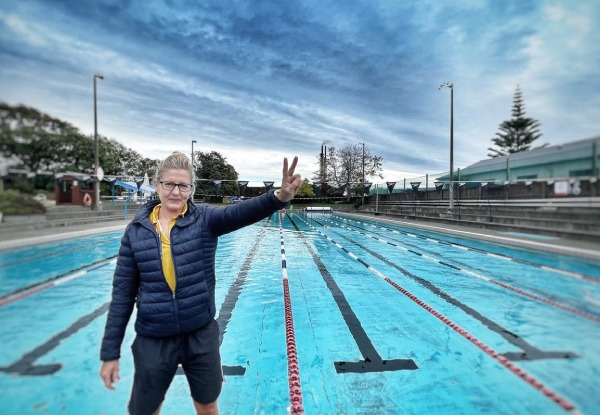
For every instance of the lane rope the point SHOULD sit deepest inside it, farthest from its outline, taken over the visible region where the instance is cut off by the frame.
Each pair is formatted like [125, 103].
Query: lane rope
[571, 274]
[54, 282]
[522, 374]
[509, 287]
[290, 339]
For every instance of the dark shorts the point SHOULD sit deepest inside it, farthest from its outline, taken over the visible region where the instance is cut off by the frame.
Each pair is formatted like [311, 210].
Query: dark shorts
[156, 361]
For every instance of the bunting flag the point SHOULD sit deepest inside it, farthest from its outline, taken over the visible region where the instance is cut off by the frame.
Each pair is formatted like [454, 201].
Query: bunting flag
[268, 185]
[390, 186]
[415, 186]
[217, 184]
[367, 187]
[439, 186]
[528, 184]
[242, 185]
[462, 184]
[139, 183]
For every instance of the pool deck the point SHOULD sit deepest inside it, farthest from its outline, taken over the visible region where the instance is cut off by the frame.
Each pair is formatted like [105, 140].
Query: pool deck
[578, 248]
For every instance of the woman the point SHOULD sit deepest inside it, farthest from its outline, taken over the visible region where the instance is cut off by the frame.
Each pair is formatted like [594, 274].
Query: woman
[166, 267]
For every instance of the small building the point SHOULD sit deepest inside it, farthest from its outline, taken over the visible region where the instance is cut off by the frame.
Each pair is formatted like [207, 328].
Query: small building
[72, 188]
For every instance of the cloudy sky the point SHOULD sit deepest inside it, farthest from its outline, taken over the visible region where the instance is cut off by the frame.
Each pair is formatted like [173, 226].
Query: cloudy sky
[258, 80]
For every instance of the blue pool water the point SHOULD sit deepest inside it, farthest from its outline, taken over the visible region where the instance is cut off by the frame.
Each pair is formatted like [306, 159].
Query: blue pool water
[379, 311]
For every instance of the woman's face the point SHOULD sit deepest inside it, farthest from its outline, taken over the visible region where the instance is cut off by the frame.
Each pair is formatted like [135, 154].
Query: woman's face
[174, 199]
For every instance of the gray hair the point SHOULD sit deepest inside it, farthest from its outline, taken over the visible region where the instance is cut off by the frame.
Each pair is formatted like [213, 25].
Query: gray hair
[176, 161]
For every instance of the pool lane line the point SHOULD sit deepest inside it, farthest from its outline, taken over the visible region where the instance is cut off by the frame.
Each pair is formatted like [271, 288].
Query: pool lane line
[563, 272]
[290, 338]
[522, 374]
[561, 249]
[53, 281]
[26, 366]
[529, 352]
[372, 361]
[509, 287]
[49, 254]
[231, 299]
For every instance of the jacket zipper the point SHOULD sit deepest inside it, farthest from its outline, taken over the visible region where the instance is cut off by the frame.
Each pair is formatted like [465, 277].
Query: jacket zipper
[175, 309]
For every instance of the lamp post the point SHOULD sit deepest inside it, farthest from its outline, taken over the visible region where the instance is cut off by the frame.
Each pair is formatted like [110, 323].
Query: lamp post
[451, 193]
[193, 164]
[363, 174]
[96, 157]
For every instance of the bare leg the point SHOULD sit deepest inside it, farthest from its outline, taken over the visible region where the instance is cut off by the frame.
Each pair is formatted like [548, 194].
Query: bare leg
[206, 408]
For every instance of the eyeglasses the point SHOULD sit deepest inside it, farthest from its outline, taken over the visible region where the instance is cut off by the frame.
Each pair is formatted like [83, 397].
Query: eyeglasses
[183, 187]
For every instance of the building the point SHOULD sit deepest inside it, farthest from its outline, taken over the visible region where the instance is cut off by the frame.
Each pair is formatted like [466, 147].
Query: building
[577, 159]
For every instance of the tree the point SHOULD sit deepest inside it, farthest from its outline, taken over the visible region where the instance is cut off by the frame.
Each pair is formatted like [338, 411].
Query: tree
[305, 190]
[38, 142]
[345, 166]
[213, 166]
[118, 160]
[516, 134]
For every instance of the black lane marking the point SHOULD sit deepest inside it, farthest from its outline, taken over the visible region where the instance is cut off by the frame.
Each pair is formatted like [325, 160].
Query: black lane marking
[233, 294]
[26, 366]
[372, 361]
[528, 352]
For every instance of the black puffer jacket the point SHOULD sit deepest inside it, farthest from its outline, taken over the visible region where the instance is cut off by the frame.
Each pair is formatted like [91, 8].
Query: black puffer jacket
[139, 278]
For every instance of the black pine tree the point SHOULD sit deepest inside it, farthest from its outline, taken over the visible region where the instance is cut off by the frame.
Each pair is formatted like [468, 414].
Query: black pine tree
[515, 134]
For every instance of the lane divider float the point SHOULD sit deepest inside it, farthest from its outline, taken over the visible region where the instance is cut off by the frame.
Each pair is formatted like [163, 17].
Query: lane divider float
[54, 281]
[290, 339]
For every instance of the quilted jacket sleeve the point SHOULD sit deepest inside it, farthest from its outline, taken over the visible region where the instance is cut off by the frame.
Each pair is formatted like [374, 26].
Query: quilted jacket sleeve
[125, 287]
[234, 217]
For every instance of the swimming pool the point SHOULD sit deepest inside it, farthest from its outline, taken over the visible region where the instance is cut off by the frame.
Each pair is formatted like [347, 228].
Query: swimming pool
[381, 319]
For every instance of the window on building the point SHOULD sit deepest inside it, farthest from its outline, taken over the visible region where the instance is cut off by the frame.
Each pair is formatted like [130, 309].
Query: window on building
[580, 173]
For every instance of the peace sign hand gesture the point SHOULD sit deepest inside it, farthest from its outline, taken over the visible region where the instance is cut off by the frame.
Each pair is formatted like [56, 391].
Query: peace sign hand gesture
[290, 182]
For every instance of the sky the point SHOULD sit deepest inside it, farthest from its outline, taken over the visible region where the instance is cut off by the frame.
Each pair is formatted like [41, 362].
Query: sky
[261, 80]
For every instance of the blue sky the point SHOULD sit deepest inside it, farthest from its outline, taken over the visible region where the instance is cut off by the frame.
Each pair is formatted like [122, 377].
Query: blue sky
[258, 80]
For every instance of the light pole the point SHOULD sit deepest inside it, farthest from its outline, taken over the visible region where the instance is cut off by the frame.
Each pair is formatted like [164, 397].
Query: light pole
[193, 164]
[363, 174]
[96, 157]
[451, 193]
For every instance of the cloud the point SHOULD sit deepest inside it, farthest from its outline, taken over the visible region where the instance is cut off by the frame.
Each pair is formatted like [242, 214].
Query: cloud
[284, 77]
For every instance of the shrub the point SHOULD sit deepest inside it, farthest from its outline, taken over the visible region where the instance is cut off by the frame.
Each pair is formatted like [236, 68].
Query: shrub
[13, 202]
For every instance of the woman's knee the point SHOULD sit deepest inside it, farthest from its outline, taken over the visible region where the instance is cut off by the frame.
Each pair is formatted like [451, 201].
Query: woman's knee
[206, 408]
